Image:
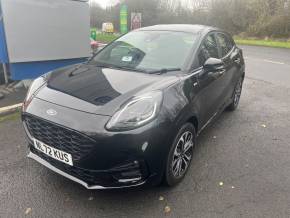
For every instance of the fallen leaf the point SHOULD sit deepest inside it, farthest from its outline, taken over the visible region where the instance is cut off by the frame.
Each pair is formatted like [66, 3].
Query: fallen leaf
[161, 198]
[221, 183]
[28, 210]
[167, 209]
[91, 198]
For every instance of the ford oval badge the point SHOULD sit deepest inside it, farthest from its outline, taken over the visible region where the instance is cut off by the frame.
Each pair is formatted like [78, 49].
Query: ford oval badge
[51, 112]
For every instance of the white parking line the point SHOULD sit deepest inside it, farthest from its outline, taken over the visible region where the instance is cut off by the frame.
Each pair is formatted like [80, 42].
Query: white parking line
[273, 62]
[265, 60]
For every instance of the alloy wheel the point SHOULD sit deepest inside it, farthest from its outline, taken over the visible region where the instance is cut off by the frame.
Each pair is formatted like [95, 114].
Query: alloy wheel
[182, 154]
[238, 92]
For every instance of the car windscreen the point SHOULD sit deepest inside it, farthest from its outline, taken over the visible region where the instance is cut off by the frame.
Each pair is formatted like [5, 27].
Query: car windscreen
[147, 50]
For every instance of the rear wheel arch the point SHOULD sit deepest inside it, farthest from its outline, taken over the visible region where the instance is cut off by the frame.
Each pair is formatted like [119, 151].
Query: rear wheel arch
[243, 75]
[194, 121]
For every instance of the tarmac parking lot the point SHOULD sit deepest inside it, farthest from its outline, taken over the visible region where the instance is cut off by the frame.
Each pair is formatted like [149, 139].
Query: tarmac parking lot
[241, 166]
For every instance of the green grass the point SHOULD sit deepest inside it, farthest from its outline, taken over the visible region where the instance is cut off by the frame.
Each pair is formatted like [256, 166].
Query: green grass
[10, 117]
[106, 37]
[259, 42]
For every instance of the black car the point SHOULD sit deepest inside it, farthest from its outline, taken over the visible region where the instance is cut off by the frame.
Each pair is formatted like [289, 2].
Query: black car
[131, 114]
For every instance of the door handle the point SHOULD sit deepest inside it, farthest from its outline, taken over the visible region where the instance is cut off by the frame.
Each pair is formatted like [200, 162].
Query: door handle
[237, 61]
[221, 72]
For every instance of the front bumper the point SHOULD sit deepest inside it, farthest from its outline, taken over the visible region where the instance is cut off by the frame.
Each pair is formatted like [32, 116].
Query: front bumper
[75, 179]
[128, 175]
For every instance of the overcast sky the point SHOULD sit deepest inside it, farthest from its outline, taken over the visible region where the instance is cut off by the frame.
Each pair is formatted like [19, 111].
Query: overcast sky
[105, 3]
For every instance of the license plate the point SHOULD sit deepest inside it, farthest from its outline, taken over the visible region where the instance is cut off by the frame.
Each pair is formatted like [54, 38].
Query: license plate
[53, 152]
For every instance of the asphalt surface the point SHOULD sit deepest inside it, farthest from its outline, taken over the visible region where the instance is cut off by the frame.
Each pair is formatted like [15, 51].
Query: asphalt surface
[12, 97]
[241, 167]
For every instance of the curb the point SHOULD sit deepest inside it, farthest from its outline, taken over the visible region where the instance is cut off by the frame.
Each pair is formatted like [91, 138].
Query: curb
[10, 109]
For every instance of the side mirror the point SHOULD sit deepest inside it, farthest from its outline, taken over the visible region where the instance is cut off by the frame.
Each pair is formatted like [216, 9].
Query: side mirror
[213, 64]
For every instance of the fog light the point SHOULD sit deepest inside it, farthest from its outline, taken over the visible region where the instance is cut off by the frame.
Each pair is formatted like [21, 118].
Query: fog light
[129, 173]
[129, 180]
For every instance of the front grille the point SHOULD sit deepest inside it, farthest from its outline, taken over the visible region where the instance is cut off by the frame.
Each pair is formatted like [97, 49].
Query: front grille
[91, 177]
[70, 141]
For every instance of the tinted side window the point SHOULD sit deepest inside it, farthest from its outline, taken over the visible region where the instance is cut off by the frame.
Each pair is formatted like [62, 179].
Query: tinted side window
[208, 49]
[225, 44]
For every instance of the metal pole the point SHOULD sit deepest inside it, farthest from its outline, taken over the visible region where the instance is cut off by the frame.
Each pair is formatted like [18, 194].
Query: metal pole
[5, 73]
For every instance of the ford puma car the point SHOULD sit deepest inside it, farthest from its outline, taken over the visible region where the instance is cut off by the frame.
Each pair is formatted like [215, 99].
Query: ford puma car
[131, 114]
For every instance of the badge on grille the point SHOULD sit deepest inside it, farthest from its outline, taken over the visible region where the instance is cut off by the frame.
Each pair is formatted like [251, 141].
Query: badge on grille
[51, 112]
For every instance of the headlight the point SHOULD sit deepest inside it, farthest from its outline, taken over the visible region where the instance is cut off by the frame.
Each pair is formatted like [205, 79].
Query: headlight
[34, 87]
[137, 112]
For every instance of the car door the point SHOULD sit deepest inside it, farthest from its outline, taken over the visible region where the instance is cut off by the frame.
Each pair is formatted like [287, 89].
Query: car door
[208, 82]
[230, 55]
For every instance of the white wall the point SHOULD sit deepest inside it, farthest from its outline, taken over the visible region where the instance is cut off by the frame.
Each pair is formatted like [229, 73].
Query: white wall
[40, 30]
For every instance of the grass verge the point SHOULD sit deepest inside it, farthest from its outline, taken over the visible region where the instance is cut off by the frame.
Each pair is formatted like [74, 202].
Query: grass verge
[106, 37]
[260, 42]
[10, 117]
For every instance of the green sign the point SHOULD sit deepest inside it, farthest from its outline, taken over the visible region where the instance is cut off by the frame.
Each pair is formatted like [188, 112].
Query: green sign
[94, 34]
[124, 19]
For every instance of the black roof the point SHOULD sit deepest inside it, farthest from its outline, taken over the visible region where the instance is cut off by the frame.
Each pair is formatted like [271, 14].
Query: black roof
[179, 28]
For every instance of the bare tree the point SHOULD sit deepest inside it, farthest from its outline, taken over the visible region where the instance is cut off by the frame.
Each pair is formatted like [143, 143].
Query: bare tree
[250, 17]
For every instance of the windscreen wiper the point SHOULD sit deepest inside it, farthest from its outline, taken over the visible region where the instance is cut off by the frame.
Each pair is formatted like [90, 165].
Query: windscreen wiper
[74, 70]
[164, 70]
[111, 66]
[131, 69]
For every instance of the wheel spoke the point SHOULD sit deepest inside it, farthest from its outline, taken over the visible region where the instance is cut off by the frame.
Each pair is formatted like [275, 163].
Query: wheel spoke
[181, 143]
[179, 167]
[176, 153]
[176, 168]
[174, 162]
[190, 137]
[185, 163]
[185, 135]
[181, 140]
[187, 157]
[187, 146]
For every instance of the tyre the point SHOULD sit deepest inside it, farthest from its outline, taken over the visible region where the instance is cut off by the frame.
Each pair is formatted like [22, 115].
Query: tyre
[236, 96]
[180, 155]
